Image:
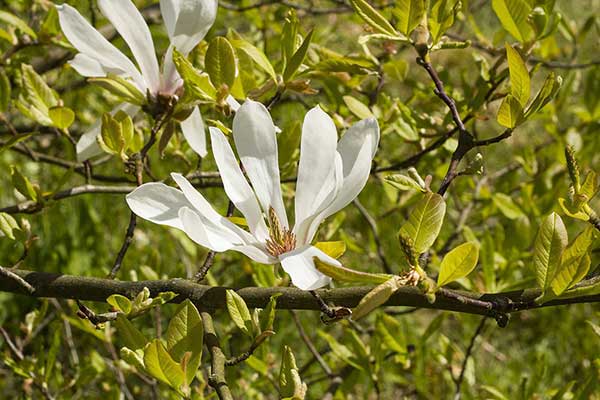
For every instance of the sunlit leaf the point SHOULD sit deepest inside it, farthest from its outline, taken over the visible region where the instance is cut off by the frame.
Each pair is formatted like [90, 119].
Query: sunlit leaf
[513, 16]
[510, 113]
[425, 221]
[239, 313]
[458, 263]
[549, 245]
[409, 14]
[220, 62]
[520, 85]
[373, 17]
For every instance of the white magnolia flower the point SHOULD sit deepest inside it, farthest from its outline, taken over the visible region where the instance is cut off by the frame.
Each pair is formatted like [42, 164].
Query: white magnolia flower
[187, 22]
[330, 175]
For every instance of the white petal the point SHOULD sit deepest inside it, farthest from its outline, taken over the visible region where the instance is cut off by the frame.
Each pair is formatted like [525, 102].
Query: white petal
[87, 146]
[357, 149]
[194, 132]
[90, 42]
[237, 188]
[158, 203]
[128, 21]
[188, 21]
[87, 66]
[256, 253]
[254, 135]
[300, 266]
[234, 232]
[203, 233]
[316, 178]
[171, 80]
[233, 103]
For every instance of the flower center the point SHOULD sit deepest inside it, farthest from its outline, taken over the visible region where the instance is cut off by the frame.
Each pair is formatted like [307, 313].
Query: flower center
[281, 239]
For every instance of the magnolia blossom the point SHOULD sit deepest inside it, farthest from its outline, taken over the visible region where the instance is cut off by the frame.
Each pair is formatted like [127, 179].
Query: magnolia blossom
[330, 175]
[187, 22]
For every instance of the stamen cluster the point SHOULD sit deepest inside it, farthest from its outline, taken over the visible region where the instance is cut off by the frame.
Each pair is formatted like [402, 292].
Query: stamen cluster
[282, 239]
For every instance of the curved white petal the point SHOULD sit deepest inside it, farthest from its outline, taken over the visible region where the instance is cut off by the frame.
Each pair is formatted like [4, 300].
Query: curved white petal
[202, 232]
[188, 21]
[256, 253]
[158, 203]
[357, 149]
[90, 42]
[233, 103]
[233, 232]
[316, 177]
[256, 144]
[128, 21]
[171, 80]
[237, 188]
[87, 66]
[300, 266]
[87, 146]
[194, 132]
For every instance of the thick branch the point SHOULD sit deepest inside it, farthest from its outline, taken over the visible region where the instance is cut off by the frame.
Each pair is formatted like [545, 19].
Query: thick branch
[208, 297]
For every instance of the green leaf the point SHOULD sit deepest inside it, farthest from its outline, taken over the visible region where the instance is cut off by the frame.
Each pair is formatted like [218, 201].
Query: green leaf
[220, 62]
[510, 113]
[120, 303]
[131, 336]
[458, 263]
[267, 316]
[289, 37]
[376, 297]
[589, 188]
[409, 14]
[122, 88]
[196, 82]
[549, 89]
[5, 91]
[572, 212]
[332, 249]
[239, 313]
[520, 85]
[548, 248]
[161, 366]
[404, 182]
[443, 13]
[135, 358]
[513, 17]
[23, 185]
[256, 55]
[575, 262]
[590, 288]
[62, 117]
[111, 137]
[507, 206]
[425, 221]
[8, 225]
[38, 96]
[297, 59]
[18, 23]
[184, 336]
[357, 107]
[343, 274]
[290, 383]
[373, 17]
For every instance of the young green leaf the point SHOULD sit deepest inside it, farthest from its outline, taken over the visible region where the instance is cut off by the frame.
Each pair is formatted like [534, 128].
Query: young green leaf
[443, 13]
[297, 59]
[131, 336]
[404, 182]
[458, 263]
[111, 137]
[343, 274]
[122, 88]
[376, 297]
[409, 14]
[425, 221]
[184, 336]
[548, 249]
[373, 17]
[520, 84]
[5, 91]
[220, 62]
[17, 22]
[575, 262]
[507, 206]
[161, 366]
[290, 383]
[120, 303]
[267, 316]
[23, 185]
[239, 313]
[8, 226]
[357, 107]
[513, 17]
[256, 55]
[196, 82]
[510, 113]
[549, 89]
[332, 249]
[62, 117]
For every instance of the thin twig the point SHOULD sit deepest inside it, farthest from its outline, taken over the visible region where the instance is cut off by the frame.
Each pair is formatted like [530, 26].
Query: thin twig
[22, 282]
[210, 257]
[468, 353]
[373, 225]
[310, 345]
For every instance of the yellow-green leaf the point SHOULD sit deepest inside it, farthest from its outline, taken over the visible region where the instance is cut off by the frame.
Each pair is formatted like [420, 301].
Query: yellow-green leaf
[575, 262]
[520, 85]
[290, 383]
[332, 249]
[357, 107]
[549, 89]
[121, 88]
[376, 297]
[131, 336]
[120, 303]
[458, 263]
[239, 313]
[221, 63]
[507, 206]
[409, 14]
[161, 366]
[5, 91]
[513, 17]
[23, 185]
[184, 336]
[549, 245]
[373, 17]
[256, 55]
[17, 22]
[425, 221]
[297, 59]
[62, 117]
[343, 274]
[195, 81]
[510, 112]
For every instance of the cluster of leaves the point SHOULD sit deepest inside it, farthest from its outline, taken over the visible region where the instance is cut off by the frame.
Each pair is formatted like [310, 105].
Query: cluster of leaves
[356, 58]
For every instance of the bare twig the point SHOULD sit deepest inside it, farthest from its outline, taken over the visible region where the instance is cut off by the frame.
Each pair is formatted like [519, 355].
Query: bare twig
[11, 275]
[373, 225]
[468, 353]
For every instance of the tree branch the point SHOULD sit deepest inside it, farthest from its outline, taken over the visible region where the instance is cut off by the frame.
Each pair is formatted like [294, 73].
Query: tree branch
[216, 378]
[98, 289]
